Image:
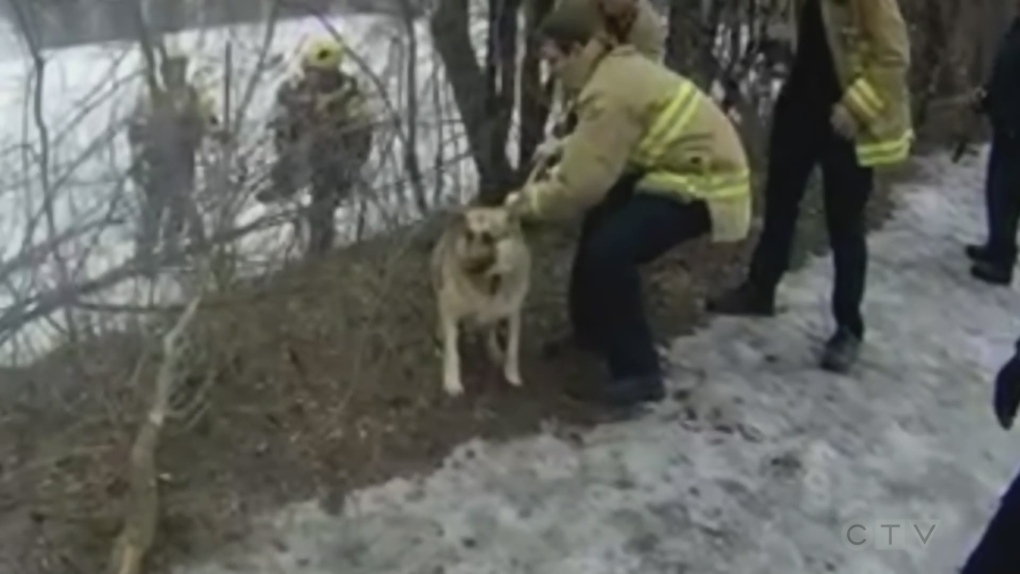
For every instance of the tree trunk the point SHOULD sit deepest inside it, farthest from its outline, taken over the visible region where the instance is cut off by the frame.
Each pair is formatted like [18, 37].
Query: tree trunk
[450, 27]
[535, 98]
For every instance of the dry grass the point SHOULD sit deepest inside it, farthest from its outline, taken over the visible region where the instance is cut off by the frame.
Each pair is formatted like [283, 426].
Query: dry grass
[321, 379]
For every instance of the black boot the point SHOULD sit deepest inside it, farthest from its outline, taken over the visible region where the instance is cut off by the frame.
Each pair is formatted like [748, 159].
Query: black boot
[977, 252]
[625, 393]
[746, 299]
[567, 345]
[841, 351]
[996, 273]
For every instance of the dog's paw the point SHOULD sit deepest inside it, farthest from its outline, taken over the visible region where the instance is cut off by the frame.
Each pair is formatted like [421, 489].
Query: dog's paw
[513, 376]
[453, 388]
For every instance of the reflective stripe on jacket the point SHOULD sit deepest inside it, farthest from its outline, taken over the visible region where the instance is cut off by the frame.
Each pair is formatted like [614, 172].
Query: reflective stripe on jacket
[871, 53]
[726, 190]
[635, 114]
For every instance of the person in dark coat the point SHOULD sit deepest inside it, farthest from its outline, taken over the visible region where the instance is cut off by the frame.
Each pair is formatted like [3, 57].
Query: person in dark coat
[998, 552]
[846, 108]
[999, 99]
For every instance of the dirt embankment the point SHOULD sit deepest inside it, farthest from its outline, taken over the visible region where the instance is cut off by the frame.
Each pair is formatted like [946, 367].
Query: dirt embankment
[313, 382]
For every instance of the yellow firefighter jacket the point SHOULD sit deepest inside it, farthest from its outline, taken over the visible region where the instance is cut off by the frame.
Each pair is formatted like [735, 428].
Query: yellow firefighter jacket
[647, 35]
[333, 112]
[635, 114]
[871, 54]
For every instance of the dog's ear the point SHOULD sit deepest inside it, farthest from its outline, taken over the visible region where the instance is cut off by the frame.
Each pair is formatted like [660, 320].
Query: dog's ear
[454, 216]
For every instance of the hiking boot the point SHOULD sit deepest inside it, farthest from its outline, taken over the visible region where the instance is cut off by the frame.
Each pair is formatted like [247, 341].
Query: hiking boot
[566, 345]
[841, 351]
[746, 299]
[992, 272]
[624, 393]
[977, 252]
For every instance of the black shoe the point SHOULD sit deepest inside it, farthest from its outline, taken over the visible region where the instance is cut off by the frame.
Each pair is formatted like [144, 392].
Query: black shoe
[977, 252]
[625, 393]
[994, 273]
[746, 300]
[566, 345]
[841, 351]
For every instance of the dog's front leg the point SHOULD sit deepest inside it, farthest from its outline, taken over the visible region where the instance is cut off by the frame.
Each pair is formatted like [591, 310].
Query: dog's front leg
[511, 366]
[492, 343]
[451, 356]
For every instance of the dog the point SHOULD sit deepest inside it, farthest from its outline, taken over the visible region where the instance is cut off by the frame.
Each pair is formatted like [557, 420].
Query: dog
[481, 273]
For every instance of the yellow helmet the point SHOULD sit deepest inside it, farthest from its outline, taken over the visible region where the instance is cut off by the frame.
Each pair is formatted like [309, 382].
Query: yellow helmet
[324, 53]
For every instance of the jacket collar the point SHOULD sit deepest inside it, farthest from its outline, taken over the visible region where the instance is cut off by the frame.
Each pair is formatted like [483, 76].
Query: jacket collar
[579, 70]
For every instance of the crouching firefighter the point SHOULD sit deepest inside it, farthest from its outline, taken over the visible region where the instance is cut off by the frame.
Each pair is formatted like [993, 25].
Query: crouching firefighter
[322, 125]
[652, 163]
[999, 99]
[845, 106]
[164, 133]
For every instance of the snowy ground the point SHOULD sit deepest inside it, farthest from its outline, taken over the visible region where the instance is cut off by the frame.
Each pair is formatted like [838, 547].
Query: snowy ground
[908, 439]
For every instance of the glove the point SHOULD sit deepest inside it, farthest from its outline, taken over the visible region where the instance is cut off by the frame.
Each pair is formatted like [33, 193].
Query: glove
[550, 148]
[843, 122]
[1007, 392]
[516, 203]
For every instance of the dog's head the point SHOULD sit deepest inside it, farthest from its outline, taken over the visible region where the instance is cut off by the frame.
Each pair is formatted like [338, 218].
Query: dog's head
[485, 233]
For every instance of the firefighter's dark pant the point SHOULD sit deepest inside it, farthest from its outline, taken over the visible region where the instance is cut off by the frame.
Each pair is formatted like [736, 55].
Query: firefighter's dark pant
[624, 231]
[997, 552]
[797, 144]
[1002, 197]
[168, 206]
[335, 171]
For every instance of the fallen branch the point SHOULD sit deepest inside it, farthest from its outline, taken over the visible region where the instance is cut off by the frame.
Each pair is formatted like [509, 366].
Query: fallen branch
[140, 518]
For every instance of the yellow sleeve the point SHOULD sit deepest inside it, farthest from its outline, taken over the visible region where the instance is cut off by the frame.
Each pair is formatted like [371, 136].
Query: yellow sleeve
[883, 76]
[207, 108]
[594, 157]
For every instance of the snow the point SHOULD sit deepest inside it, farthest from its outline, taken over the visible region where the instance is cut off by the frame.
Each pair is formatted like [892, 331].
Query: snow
[89, 91]
[908, 437]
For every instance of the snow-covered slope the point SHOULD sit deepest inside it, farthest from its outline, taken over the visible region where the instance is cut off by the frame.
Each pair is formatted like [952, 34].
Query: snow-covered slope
[907, 439]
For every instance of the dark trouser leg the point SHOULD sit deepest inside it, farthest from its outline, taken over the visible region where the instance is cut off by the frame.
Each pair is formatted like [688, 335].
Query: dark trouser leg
[636, 233]
[579, 304]
[321, 213]
[997, 551]
[794, 150]
[152, 212]
[1002, 192]
[184, 212]
[847, 188]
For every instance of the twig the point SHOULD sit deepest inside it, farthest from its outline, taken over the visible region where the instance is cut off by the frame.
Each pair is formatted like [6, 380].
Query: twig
[139, 530]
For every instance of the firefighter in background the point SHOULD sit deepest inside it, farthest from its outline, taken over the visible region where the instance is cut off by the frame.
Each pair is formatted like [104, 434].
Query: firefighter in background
[323, 125]
[164, 133]
[845, 106]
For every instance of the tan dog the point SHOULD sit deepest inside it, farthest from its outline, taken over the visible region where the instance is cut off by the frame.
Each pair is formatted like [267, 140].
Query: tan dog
[481, 269]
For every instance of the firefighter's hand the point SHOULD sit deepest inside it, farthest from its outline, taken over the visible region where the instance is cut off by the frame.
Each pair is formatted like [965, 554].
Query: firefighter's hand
[548, 150]
[517, 204]
[1007, 392]
[843, 122]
